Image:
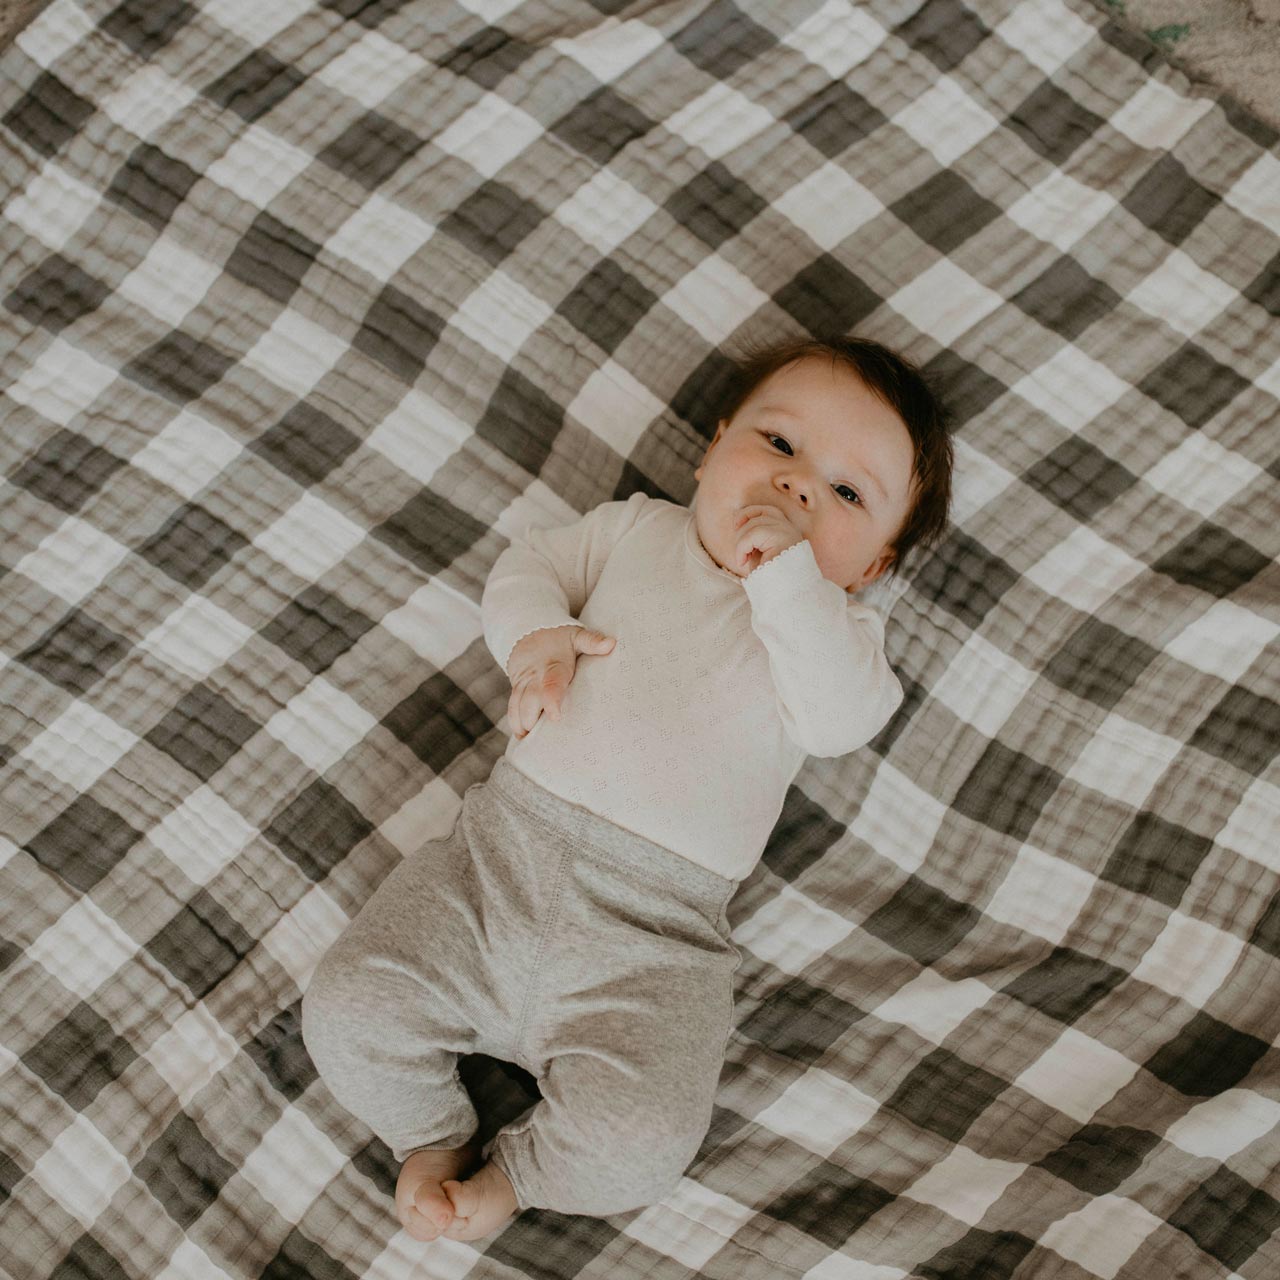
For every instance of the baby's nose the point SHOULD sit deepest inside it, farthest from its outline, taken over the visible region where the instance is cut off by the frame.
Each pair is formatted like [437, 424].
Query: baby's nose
[799, 492]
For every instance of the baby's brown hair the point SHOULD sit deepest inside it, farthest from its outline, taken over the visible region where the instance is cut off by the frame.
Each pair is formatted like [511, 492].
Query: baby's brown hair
[901, 385]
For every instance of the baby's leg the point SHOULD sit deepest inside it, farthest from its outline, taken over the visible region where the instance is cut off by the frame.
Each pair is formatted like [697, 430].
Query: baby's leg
[384, 1027]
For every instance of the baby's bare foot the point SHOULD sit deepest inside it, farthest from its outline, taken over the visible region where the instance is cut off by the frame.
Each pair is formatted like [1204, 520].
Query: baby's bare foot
[482, 1204]
[423, 1207]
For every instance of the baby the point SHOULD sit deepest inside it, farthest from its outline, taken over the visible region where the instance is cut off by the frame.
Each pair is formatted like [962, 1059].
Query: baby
[671, 668]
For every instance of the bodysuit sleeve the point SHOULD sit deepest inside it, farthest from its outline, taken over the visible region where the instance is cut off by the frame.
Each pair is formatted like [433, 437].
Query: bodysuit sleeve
[834, 685]
[544, 578]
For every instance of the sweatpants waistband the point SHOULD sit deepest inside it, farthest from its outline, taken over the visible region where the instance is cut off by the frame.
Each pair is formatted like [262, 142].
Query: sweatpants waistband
[600, 839]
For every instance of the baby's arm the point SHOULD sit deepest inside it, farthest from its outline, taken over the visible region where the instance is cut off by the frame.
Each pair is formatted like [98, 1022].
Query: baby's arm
[834, 685]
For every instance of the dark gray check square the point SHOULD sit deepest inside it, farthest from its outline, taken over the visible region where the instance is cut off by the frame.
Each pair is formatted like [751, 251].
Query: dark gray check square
[79, 1056]
[66, 471]
[146, 26]
[83, 843]
[721, 40]
[829, 1203]
[1007, 791]
[438, 722]
[1169, 200]
[371, 149]
[317, 628]
[256, 84]
[945, 211]
[184, 1170]
[1099, 663]
[399, 333]
[1192, 384]
[1080, 478]
[606, 304]
[803, 833]
[1212, 560]
[202, 732]
[979, 1255]
[964, 388]
[281, 1055]
[76, 652]
[1099, 1157]
[48, 116]
[430, 531]
[492, 221]
[1156, 858]
[201, 944]
[715, 205]
[306, 444]
[1265, 289]
[488, 57]
[521, 421]
[318, 829]
[799, 1021]
[826, 297]
[834, 118]
[272, 257]
[56, 294]
[601, 125]
[1242, 728]
[151, 184]
[192, 545]
[945, 1094]
[945, 31]
[1207, 1057]
[179, 367]
[965, 579]
[1054, 124]
[921, 921]
[1228, 1218]
[1066, 984]
[1066, 298]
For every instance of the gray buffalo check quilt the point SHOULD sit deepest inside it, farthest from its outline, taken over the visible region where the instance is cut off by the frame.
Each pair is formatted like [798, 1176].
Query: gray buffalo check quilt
[306, 309]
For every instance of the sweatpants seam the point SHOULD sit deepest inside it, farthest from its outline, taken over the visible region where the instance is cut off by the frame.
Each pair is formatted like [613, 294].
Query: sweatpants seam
[535, 972]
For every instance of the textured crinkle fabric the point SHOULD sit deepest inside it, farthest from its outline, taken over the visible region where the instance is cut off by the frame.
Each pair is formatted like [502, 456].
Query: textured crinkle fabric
[306, 309]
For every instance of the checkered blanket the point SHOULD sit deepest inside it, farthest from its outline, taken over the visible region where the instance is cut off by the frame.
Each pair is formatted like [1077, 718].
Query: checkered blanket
[307, 308]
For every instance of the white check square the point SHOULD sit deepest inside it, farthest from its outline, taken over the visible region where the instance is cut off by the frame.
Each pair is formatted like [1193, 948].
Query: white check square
[945, 301]
[898, 819]
[292, 1164]
[1225, 1124]
[934, 1006]
[976, 480]
[1202, 475]
[1061, 210]
[187, 454]
[791, 931]
[1157, 116]
[79, 746]
[258, 165]
[1226, 640]
[946, 121]
[252, 20]
[500, 315]
[828, 206]
[489, 134]
[1103, 1235]
[1085, 570]
[146, 100]
[1124, 760]
[1077, 1075]
[202, 835]
[616, 407]
[715, 299]
[964, 1184]
[76, 557]
[320, 724]
[371, 69]
[1256, 193]
[419, 435]
[52, 206]
[982, 686]
[170, 281]
[310, 538]
[690, 1225]
[82, 1171]
[838, 37]
[605, 211]
[63, 381]
[611, 48]
[1190, 959]
[1041, 894]
[196, 637]
[1071, 387]
[1047, 33]
[720, 120]
[1182, 294]
[295, 353]
[1251, 829]
[381, 236]
[819, 1111]
[83, 947]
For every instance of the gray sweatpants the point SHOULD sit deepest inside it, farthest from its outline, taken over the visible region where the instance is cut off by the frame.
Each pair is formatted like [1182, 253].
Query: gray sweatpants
[540, 934]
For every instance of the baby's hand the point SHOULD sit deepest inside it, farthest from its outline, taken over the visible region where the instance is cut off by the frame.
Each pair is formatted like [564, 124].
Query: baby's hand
[542, 666]
[763, 532]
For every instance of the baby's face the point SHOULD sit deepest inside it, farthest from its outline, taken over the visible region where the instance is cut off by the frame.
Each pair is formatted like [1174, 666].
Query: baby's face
[814, 441]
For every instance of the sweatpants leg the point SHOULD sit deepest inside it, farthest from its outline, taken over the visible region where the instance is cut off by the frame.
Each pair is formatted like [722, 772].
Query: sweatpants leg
[382, 1017]
[628, 1008]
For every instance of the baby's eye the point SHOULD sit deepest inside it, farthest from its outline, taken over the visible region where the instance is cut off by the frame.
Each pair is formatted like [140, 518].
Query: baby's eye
[784, 442]
[848, 494]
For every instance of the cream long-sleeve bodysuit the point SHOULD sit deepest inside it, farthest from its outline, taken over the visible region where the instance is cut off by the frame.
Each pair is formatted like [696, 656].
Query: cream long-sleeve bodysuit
[691, 730]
